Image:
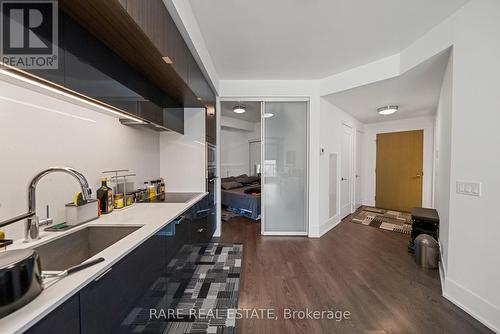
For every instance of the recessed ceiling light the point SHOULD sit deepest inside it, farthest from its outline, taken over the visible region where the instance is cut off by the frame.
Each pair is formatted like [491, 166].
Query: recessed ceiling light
[239, 109]
[268, 115]
[387, 110]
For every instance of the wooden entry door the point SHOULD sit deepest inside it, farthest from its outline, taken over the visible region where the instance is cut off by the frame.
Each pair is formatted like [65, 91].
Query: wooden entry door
[399, 170]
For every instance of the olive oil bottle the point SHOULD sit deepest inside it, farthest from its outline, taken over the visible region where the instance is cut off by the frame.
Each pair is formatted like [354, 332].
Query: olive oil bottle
[105, 197]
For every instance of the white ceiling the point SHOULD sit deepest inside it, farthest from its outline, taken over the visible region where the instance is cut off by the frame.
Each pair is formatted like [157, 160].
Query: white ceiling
[310, 39]
[251, 115]
[416, 92]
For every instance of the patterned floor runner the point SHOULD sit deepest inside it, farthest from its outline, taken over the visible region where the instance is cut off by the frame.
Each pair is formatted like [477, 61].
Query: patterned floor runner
[195, 294]
[385, 219]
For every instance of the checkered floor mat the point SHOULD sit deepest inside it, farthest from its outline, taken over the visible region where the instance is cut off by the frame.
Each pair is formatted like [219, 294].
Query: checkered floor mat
[195, 294]
[385, 219]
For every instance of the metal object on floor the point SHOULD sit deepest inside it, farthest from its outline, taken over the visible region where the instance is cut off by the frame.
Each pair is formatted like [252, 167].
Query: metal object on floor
[426, 251]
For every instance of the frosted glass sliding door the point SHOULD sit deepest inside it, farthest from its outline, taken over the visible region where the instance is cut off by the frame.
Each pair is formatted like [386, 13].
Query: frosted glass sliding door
[285, 158]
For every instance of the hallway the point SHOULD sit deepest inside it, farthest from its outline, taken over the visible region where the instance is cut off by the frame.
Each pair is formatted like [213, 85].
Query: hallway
[365, 271]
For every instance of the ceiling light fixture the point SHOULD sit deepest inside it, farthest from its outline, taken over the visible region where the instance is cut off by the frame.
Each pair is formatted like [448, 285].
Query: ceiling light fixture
[387, 110]
[239, 109]
[268, 115]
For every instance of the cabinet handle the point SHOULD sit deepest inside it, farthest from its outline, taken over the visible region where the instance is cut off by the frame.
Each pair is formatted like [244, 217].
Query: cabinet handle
[103, 274]
[180, 220]
[202, 211]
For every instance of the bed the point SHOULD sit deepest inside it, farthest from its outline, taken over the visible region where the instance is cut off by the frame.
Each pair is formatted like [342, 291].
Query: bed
[245, 199]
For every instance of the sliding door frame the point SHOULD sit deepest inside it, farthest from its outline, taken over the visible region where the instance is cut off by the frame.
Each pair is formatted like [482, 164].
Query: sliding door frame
[262, 101]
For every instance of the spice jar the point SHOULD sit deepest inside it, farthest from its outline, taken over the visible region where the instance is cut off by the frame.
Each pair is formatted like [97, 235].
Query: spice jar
[119, 201]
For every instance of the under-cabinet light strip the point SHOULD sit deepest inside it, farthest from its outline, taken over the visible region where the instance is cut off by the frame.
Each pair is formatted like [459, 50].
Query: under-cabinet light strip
[65, 92]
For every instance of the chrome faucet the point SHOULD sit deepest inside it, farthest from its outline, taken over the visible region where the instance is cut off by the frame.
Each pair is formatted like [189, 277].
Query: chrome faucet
[33, 223]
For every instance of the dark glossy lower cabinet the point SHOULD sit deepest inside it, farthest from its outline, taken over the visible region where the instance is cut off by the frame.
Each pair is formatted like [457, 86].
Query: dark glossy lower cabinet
[106, 301]
[103, 305]
[64, 319]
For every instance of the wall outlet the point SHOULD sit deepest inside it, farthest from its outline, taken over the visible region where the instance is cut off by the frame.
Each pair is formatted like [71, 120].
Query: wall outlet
[469, 188]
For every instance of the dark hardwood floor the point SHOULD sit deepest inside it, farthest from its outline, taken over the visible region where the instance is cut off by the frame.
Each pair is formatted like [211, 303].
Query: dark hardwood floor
[355, 268]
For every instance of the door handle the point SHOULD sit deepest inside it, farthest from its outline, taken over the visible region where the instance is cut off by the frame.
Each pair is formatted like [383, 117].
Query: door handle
[343, 179]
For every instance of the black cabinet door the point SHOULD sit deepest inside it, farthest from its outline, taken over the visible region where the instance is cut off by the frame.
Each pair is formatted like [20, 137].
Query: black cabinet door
[63, 320]
[176, 235]
[173, 118]
[92, 69]
[106, 302]
[199, 227]
[212, 205]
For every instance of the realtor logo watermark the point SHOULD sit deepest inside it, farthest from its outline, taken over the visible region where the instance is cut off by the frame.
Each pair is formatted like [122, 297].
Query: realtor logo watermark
[29, 35]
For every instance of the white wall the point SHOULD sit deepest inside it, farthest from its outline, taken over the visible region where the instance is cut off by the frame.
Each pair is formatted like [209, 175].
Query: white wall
[371, 131]
[473, 269]
[39, 131]
[442, 159]
[234, 146]
[183, 157]
[235, 152]
[331, 120]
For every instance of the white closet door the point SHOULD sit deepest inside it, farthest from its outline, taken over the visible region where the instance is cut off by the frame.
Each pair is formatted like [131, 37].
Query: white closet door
[346, 171]
[359, 172]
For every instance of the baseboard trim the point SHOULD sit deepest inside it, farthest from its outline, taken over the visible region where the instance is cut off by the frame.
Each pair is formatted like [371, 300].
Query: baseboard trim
[328, 225]
[470, 302]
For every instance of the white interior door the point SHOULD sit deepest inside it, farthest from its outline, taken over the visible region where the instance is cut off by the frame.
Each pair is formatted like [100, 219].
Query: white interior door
[346, 179]
[284, 170]
[358, 170]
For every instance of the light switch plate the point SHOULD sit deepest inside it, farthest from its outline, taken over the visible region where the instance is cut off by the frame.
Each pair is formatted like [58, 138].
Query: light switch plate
[469, 188]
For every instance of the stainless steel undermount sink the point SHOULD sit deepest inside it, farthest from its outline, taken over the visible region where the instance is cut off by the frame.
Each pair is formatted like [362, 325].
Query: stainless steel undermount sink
[74, 248]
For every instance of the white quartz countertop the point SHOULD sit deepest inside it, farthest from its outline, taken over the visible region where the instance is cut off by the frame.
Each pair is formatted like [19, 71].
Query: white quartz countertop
[150, 216]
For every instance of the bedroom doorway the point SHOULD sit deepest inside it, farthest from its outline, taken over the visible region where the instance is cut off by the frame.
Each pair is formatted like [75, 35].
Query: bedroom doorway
[264, 163]
[240, 164]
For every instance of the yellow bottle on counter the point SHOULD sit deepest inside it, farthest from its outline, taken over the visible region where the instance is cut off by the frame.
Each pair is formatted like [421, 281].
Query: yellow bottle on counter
[2, 236]
[151, 192]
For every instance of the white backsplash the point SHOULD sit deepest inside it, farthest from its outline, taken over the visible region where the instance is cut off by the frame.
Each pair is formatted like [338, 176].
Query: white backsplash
[38, 131]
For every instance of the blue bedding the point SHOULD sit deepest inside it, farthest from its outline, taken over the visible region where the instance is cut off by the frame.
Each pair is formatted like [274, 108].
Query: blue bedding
[237, 199]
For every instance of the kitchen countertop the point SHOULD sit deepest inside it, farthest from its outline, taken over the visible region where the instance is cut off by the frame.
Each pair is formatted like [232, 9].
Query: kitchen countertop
[150, 216]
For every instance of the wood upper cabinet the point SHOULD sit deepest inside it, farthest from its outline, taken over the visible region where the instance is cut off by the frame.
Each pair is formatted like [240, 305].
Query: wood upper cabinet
[156, 22]
[153, 18]
[150, 16]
